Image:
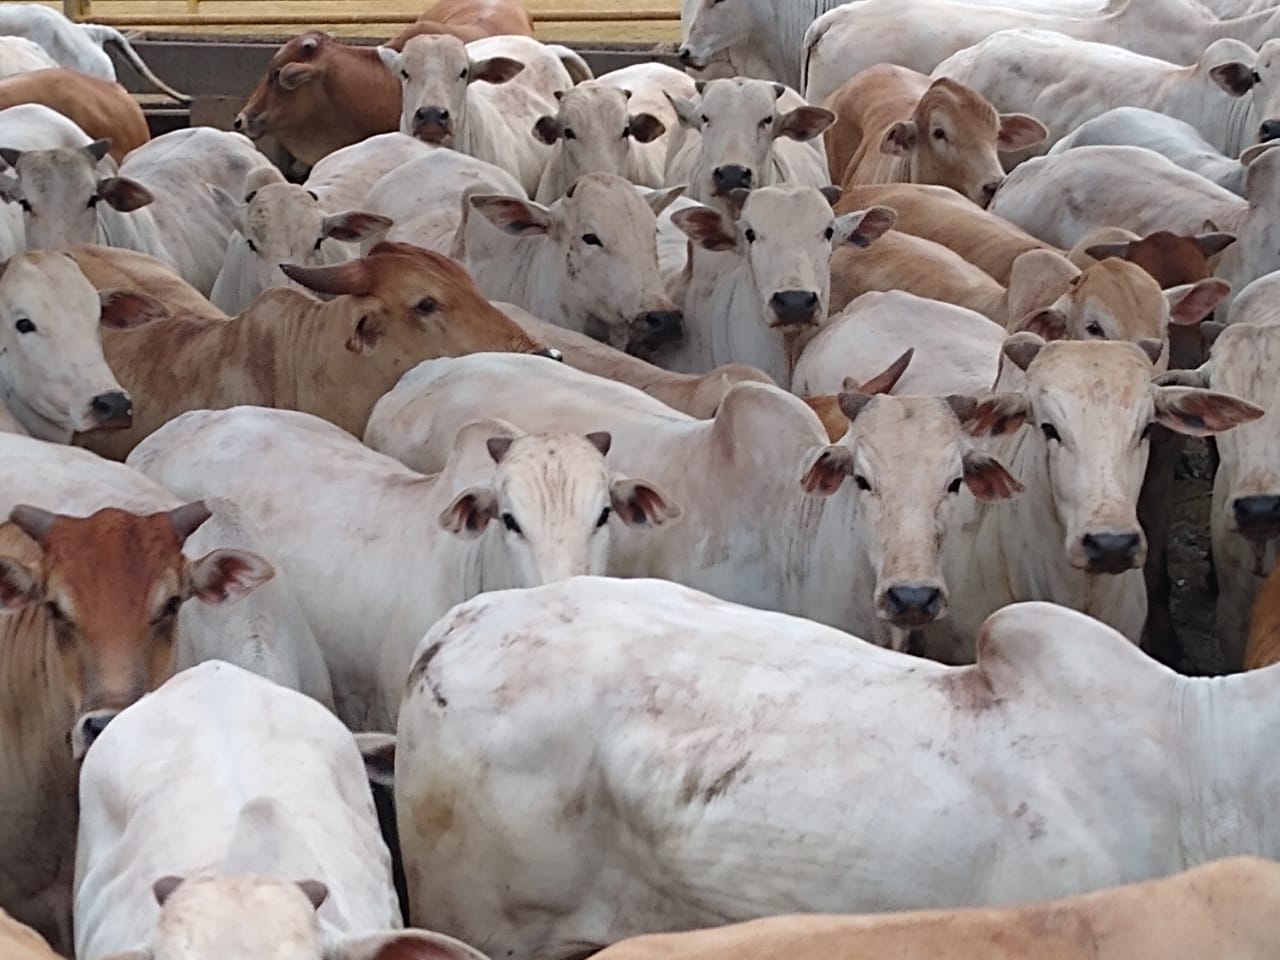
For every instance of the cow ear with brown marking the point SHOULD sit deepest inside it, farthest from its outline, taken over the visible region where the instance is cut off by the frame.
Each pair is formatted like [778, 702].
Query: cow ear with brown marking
[708, 228]
[512, 215]
[1018, 131]
[124, 194]
[861, 228]
[494, 70]
[1048, 324]
[1235, 77]
[227, 575]
[470, 512]
[997, 415]
[126, 309]
[1201, 413]
[987, 478]
[638, 503]
[1189, 303]
[829, 469]
[900, 139]
[645, 127]
[804, 123]
[352, 226]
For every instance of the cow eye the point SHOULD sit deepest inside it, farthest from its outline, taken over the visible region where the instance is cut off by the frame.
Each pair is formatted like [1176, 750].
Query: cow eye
[626, 131]
[427, 305]
[463, 74]
[829, 232]
[252, 246]
[275, 76]
[750, 235]
[1093, 329]
[404, 74]
[604, 517]
[954, 485]
[862, 482]
[1050, 432]
[591, 240]
[939, 134]
[24, 325]
[509, 522]
[767, 121]
[93, 201]
[569, 134]
[705, 119]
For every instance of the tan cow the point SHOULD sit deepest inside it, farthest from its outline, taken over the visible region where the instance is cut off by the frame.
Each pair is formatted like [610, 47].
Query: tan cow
[1223, 909]
[115, 272]
[20, 942]
[1262, 646]
[93, 606]
[469, 20]
[395, 307]
[894, 125]
[101, 108]
[945, 217]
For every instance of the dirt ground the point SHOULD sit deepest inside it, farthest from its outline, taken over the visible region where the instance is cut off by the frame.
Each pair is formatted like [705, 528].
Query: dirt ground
[1189, 551]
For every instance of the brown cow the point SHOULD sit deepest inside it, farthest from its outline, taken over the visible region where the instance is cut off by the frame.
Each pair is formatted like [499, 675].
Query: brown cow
[94, 604]
[894, 125]
[396, 307]
[943, 216]
[320, 95]
[101, 108]
[1263, 645]
[116, 273]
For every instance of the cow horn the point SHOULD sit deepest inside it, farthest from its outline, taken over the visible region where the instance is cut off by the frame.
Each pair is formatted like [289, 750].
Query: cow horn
[33, 521]
[353, 277]
[186, 518]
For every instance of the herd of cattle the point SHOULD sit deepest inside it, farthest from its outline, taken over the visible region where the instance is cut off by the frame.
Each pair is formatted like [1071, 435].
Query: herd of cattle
[470, 523]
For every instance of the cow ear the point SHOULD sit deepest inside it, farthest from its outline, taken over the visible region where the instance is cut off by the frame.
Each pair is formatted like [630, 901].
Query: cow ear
[126, 309]
[230, 207]
[494, 70]
[365, 334]
[1246, 159]
[1234, 77]
[1047, 324]
[641, 504]
[659, 200]
[708, 228]
[470, 512]
[355, 225]
[547, 130]
[226, 575]
[124, 194]
[18, 586]
[379, 753]
[1200, 413]
[98, 149]
[399, 945]
[900, 139]
[986, 477]
[1019, 132]
[520, 218]
[828, 471]
[1192, 302]
[390, 58]
[686, 111]
[645, 127]
[997, 415]
[294, 75]
[863, 227]
[804, 123]
[1104, 251]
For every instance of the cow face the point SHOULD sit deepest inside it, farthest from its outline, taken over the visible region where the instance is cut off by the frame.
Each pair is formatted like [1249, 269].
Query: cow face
[555, 500]
[1258, 79]
[55, 378]
[952, 140]
[711, 27]
[111, 585]
[595, 130]
[257, 917]
[785, 235]
[739, 121]
[435, 72]
[605, 233]
[910, 462]
[59, 191]
[1092, 406]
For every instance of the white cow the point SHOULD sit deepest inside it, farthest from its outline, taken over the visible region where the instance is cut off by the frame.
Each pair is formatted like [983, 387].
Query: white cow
[258, 838]
[79, 46]
[769, 522]
[426, 197]
[20, 55]
[492, 121]
[1171, 138]
[182, 170]
[588, 262]
[276, 223]
[296, 476]
[711, 763]
[1073, 538]
[617, 123]
[261, 632]
[1258, 302]
[920, 34]
[743, 134]
[342, 179]
[54, 378]
[1064, 81]
[758, 288]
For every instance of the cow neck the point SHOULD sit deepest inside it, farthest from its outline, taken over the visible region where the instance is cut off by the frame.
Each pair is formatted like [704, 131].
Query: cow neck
[1249, 28]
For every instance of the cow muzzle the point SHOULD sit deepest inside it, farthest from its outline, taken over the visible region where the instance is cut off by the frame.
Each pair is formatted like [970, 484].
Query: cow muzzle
[726, 179]
[251, 127]
[689, 59]
[87, 729]
[794, 308]
[1257, 517]
[112, 410]
[432, 124]
[651, 330]
[1111, 553]
[987, 193]
[911, 604]
[1268, 131]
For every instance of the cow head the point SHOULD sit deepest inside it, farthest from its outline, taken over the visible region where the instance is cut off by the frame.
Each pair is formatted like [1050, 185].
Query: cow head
[1092, 406]
[251, 915]
[554, 498]
[435, 72]
[279, 223]
[595, 130]
[59, 191]
[953, 136]
[1257, 77]
[785, 235]
[711, 27]
[111, 585]
[605, 231]
[739, 121]
[52, 371]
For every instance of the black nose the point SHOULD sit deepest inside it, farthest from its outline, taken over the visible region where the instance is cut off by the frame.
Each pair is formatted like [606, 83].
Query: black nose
[431, 115]
[1270, 130]
[662, 326]
[913, 605]
[93, 725]
[729, 178]
[1111, 552]
[685, 54]
[113, 409]
[1257, 515]
[238, 122]
[793, 307]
